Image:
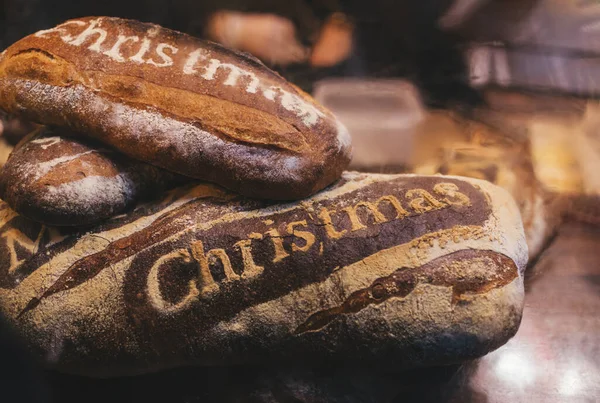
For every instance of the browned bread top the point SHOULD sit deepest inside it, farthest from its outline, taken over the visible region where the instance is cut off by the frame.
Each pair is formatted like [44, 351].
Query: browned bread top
[175, 101]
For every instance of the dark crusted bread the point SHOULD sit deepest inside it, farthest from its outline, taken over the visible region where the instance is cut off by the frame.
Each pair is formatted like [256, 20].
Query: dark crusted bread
[388, 269]
[56, 180]
[177, 102]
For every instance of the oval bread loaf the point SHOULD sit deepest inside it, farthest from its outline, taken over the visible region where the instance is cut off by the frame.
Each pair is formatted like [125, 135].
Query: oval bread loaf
[394, 269]
[56, 180]
[177, 102]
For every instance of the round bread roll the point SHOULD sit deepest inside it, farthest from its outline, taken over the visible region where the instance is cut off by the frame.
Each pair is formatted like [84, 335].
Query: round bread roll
[56, 180]
[389, 269]
[177, 102]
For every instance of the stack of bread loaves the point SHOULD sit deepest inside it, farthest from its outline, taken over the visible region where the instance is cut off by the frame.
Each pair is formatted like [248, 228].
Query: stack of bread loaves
[396, 269]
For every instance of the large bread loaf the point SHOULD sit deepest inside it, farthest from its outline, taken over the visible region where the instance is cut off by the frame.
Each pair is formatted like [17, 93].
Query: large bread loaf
[177, 102]
[401, 269]
[53, 179]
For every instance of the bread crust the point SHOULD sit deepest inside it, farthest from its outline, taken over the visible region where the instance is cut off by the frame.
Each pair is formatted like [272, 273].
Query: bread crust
[171, 100]
[398, 269]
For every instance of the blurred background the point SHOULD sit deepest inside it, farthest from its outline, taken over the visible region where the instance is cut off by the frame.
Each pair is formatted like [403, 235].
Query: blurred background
[503, 90]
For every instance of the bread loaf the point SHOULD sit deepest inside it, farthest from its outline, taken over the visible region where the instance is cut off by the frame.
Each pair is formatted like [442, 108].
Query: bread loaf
[183, 104]
[401, 269]
[55, 180]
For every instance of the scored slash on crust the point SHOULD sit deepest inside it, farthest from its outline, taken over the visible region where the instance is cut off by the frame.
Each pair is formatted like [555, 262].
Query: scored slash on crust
[443, 271]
